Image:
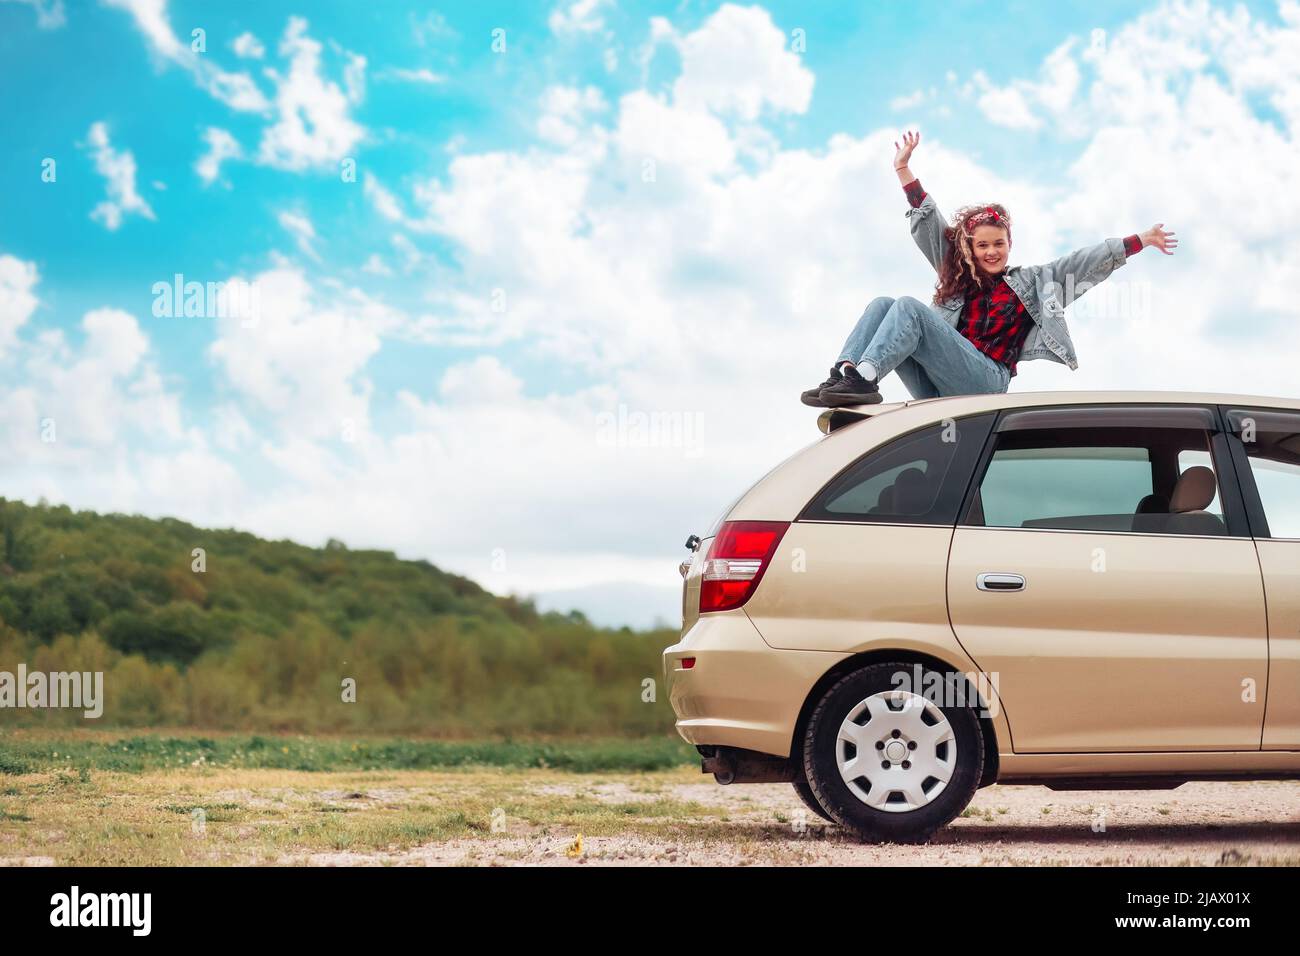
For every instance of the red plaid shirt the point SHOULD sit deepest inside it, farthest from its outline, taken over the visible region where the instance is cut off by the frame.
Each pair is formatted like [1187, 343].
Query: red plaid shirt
[996, 321]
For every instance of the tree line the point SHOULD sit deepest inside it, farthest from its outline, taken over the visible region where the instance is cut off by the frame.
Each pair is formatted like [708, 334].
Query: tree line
[246, 633]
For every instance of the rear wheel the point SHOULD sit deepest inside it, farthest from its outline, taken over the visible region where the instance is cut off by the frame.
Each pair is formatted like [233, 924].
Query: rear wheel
[890, 764]
[802, 788]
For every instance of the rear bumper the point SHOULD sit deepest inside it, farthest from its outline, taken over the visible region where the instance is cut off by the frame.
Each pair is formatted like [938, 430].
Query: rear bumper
[741, 692]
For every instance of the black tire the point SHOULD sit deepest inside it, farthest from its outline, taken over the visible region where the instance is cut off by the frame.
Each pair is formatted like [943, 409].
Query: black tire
[849, 810]
[802, 788]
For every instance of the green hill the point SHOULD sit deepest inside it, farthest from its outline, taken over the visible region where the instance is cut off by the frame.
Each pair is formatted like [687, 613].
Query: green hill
[263, 636]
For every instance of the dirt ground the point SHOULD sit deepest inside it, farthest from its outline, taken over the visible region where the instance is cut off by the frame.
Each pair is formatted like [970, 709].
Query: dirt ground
[552, 818]
[1200, 824]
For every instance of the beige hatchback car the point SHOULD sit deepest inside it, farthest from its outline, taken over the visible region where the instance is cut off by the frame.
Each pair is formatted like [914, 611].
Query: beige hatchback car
[1085, 590]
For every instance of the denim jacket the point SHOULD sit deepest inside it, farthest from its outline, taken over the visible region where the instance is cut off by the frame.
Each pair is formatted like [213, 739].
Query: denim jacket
[1045, 290]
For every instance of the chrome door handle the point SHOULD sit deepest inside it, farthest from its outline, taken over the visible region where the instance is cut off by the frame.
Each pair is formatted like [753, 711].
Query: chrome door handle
[1000, 581]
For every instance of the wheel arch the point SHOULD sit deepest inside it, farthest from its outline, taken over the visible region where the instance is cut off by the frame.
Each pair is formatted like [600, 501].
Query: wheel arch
[988, 773]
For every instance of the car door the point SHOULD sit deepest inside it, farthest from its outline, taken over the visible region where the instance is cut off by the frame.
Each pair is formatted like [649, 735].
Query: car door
[1104, 575]
[1266, 446]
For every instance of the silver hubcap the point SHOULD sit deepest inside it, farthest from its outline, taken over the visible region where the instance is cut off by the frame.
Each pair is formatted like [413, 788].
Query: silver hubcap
[896, 751]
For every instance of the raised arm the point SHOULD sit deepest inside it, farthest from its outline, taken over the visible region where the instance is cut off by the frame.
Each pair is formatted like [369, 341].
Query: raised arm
[903, 156]
[1084, 268]
[927, 223]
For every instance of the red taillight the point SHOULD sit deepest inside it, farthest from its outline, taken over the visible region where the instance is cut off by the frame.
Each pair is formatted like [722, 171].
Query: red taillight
[736, 561]
[687, 663]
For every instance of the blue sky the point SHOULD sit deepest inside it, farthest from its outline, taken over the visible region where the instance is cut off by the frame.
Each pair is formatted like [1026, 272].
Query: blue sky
[445, 339]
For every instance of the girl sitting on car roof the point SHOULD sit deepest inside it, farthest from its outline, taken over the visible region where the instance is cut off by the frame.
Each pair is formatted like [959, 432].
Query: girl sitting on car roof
[985, 316]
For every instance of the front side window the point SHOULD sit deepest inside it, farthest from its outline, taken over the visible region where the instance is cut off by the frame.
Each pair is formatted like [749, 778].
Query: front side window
[1272, 443]
[1071, 486]
[1153, 480]
[919, 478]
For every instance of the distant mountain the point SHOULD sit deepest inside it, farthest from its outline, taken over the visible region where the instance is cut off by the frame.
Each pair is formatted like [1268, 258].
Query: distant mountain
[629, 604]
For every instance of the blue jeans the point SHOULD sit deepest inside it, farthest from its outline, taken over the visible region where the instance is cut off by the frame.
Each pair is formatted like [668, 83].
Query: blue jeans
[931, 357]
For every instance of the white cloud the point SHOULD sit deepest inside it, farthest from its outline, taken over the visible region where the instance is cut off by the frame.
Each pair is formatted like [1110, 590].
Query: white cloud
[17, 298]
[422, 75]
[118, 170]
[96, 395]
[151, 18]
[49, 13]
[298, 367]
[907, 102]
[300, 227]
[411, 256]
[1022, 103]
[565, 110]
[1005, 106]
[376, 265]
[439, 485]
[688, 143]
[115, 339]
[1142, 73]
[248, 47]
[313, 126]
[231, 430]
[431, 26]
[466, 383]
[578, 16]
[354, 77]
[236, 90]
[385, 202]
[93, 423]
[737, 63]
[312, 123]
[544, 195]
[221, 147]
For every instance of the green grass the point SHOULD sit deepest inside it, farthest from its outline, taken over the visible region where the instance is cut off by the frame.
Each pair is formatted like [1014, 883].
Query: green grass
[254, 816]
[30, 752]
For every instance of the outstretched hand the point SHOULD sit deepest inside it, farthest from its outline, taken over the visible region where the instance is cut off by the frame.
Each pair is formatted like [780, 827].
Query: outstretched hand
[1156, 236]
[905, 151]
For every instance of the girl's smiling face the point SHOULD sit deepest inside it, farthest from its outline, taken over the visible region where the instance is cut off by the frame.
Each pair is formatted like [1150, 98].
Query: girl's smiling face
[991, 245]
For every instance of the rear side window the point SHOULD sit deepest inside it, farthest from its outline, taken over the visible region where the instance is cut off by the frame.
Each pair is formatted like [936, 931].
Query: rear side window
[918, 478]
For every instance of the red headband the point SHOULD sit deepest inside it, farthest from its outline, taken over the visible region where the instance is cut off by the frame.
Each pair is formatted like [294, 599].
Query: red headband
[988, 216]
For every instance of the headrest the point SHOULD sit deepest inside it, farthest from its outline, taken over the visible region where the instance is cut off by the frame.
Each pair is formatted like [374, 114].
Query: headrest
[911, 492]
[1153, 505]
[1194, 491]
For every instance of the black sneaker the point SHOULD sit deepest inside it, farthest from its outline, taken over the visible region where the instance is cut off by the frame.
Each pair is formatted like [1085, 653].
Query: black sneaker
[812, 396]
[851, 389]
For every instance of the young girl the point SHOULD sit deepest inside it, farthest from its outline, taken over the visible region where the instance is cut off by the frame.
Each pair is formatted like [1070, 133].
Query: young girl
[985, 315]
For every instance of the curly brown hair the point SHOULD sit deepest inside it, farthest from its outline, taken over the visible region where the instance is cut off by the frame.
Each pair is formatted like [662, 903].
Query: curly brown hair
[958, 273]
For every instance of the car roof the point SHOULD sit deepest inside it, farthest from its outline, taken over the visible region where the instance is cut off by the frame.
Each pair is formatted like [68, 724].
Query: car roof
[784, 491]
[956, 405]
[1092, 396]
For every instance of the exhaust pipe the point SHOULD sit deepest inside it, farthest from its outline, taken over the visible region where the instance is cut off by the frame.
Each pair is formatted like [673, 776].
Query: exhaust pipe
[732, 765]
[722, 768]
